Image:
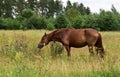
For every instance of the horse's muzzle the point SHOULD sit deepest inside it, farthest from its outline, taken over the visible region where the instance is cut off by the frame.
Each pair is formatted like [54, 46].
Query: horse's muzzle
[40, 46]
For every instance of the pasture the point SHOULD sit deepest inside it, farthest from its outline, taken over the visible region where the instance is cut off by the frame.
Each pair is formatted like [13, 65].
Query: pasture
[20, 57]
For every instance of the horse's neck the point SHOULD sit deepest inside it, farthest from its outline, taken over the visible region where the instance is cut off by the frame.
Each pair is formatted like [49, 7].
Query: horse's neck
[50, 37]
[53, 37]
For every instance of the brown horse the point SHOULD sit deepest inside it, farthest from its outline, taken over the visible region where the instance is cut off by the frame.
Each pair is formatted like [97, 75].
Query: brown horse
[77, 38]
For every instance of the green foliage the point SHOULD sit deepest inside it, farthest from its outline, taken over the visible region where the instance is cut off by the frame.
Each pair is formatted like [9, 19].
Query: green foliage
[50, 24]
[106, 21]
[12, 24]
[37, 22]
[61, 22]
[35, 14]
[77, 22]
[71, 14]
[2, 23]
[56, 49]
[90, 21]
[27, 13]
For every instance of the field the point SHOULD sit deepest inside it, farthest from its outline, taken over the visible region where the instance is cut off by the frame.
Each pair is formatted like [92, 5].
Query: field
[20, 57]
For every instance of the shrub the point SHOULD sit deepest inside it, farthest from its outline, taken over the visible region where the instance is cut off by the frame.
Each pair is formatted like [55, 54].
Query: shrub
[90, 21]
[107, 21]
[27, 13]
[50, 24]
[77, 22]
[56, 49]
[61, 22]
[12, 23]
[2, 23]
[37, 22]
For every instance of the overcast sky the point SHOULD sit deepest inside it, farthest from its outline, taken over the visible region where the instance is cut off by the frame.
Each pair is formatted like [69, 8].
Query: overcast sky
[95, 5]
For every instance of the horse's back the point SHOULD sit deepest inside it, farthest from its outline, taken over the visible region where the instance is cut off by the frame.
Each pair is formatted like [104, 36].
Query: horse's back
[91, 36]
[74, 37]
[77, 37]
[82, 37]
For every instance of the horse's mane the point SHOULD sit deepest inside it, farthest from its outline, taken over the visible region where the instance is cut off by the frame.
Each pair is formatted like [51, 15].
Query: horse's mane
[59, 32]
[62, 30]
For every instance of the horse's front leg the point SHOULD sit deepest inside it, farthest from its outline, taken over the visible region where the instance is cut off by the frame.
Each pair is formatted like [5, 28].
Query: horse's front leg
[68, 50]
[91, 50]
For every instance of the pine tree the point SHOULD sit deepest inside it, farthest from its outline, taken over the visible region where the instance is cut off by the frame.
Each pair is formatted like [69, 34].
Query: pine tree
[58, 7]
[51, 6]
[69, 5]
[113, 9]
[31, 4]
[7, 8]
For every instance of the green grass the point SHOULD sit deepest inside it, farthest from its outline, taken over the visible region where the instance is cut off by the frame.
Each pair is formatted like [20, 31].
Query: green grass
[20, 57]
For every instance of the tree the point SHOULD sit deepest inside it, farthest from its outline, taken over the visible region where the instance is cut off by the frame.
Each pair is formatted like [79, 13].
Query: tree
[83, 10]
[76, 5]
[27, 13]
[37, 22]
[42, 7]
[21, 5]
[1, 7]
[77, 22]
[72, 13]
[113, 9]
[87, 11]
[58, 7]
[106, 20]
[31, 4]
[80, 7]
[61, 22]
[7, 8]
[51, 10]
[69, 5]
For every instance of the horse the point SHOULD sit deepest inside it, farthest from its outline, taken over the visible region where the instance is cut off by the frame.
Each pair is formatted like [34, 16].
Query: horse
[77, 38]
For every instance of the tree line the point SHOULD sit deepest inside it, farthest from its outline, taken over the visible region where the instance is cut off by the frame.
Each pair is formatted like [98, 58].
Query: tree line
[52, 14]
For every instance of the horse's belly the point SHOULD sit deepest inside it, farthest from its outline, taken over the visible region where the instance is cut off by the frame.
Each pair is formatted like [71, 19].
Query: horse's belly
[78, 42]
[78, 45]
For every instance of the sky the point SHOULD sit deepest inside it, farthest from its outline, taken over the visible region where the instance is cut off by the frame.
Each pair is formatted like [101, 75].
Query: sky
[96, 5]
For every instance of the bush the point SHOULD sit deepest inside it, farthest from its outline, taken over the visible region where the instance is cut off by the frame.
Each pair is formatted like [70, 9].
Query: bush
[77, 22]
[90, 21]
[61, 22]
[50, 24]
[2, 23]
[72, 13]
[56, 49]
[37, 22]
[27, 13]
[107, 21]
[12, 24]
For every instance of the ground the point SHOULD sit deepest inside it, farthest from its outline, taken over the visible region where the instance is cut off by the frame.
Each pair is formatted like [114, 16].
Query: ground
[20, 57]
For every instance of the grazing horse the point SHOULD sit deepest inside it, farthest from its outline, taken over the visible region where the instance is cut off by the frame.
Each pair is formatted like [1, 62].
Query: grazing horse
[77, 38]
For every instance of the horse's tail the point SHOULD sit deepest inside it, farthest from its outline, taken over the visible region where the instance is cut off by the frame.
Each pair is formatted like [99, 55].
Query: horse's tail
[99, 46]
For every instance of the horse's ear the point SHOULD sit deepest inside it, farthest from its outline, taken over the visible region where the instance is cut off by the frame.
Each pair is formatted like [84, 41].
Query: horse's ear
[45, 34]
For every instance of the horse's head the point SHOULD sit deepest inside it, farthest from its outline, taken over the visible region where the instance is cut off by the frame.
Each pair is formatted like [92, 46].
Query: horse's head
[44, 41]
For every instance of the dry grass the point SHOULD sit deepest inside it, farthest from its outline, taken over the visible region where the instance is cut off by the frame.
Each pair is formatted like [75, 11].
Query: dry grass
[19, 57]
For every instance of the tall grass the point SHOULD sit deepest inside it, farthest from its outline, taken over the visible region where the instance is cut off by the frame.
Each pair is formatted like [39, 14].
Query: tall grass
[20, 57]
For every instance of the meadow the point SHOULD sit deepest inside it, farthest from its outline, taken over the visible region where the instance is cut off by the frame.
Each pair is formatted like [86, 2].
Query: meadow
[20, 57]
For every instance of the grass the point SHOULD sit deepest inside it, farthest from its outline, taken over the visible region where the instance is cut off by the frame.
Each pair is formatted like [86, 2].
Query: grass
[20, 57]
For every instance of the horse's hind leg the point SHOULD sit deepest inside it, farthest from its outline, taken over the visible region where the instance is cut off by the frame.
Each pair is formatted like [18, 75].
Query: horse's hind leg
[91, 50]
[101, 52]
[96, 49]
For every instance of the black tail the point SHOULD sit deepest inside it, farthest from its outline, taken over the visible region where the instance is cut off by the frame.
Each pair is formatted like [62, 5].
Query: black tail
[99, 46]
